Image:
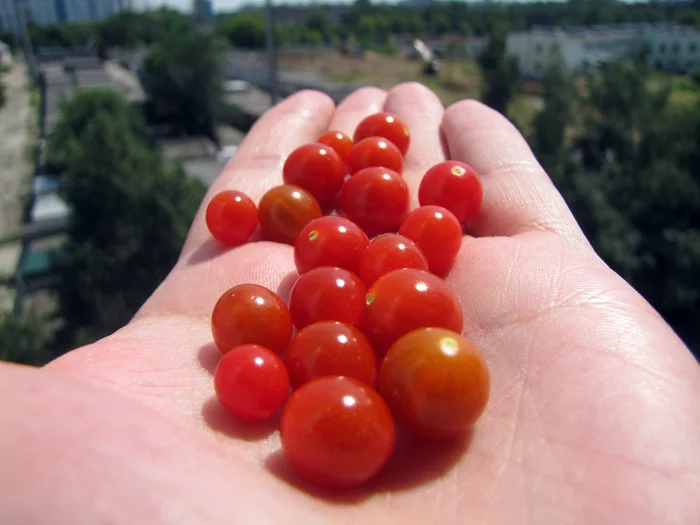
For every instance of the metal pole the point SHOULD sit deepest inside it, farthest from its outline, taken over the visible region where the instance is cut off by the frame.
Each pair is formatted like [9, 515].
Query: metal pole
[21, 19]
[271, 51]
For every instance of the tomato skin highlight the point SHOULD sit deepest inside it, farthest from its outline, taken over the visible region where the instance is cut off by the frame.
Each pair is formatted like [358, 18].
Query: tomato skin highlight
[251, 382]
[386, 125]
[330, 241]
[330, 348]
[453, 185]
[337, 432]
[435, 382]
[284, 211]
[251, 314]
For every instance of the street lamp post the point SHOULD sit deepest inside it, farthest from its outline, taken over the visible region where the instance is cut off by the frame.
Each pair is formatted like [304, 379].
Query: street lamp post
[271, 51]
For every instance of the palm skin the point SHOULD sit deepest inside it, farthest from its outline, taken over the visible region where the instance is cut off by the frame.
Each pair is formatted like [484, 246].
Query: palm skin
[593, 416]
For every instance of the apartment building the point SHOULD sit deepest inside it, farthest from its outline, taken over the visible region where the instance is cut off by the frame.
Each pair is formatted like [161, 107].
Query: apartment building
[45, 12]
[669, 47]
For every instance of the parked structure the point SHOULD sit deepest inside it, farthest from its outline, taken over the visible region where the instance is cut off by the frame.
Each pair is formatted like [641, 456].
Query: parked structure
[669, 47]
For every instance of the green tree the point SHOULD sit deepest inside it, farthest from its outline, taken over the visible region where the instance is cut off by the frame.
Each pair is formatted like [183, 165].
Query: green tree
[500, 74]
[244, 30]
[184, 82]
[635, 188]
[23, 340]
[550, 125]
[130, 213]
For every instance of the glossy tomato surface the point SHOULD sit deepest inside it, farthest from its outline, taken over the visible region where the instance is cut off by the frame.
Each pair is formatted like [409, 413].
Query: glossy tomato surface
[376, 199]
[452, 185]
[284, 211]
[386, 125]
[340, 142]
[330, 348]
[330, 241]
[251, 314]
[404, 300]
[318, 169]
[337, 432]
[232, 217]
[438, 233]
[327, 294]
[387, 253]
[251, 382]
[435, 382]
[375, 152]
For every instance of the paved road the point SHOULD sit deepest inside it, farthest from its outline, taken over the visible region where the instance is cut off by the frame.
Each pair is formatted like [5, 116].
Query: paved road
[15, 117]
[246, 66]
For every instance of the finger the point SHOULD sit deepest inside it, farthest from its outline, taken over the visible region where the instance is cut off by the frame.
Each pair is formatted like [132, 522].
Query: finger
[421, 110]
[257, 165]
[518, 195]
[359, 104]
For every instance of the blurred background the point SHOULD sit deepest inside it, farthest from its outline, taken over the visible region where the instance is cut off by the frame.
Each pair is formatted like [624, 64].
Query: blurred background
[115, 116]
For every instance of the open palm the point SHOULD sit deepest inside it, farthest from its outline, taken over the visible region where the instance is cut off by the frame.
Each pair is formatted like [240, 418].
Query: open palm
[594, 414]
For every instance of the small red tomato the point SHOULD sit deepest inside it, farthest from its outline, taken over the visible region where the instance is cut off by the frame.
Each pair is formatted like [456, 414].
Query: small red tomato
[330, 241]
[387, 253]
[318, 169]
[251, 382]
[435, 382]
[339, 141]
[376, 199]
[337, 432]
[330, 348]
[232, 217]
[327, 294]
[438, 233]
[375, 152]
[452, 185]
[384, 125]
[285, 210]
[404, 300]
[251, 314]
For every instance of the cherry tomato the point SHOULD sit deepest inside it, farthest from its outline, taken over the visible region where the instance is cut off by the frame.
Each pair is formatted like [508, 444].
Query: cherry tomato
[285, 210]
[330, 348]
[251, 382]
[376, 199]
[251, 314]
[375, 152]
[404, 300]
[435, 382]
[340, 142]
[387, 253]
[330, 241]
[452, 185]
[337, 432]
[318, 169]
[387, 126]
[327, 294]
[438, 233]
[232, 217]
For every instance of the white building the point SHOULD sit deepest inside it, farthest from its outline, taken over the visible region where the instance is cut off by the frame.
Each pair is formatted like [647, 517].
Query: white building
[673, 48]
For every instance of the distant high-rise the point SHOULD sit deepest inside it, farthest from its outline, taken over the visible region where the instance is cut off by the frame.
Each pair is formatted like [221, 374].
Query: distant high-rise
[45, 12]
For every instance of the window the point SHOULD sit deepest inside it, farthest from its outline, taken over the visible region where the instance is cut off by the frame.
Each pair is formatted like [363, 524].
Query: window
[692, 47]
[676, 48]
[662, 48]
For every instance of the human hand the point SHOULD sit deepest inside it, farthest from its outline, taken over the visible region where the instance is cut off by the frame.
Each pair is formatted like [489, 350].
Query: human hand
[593, 415]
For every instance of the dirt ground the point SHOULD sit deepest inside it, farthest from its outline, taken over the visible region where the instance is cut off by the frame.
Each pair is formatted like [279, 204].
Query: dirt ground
[458, 78]
[15, 167]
